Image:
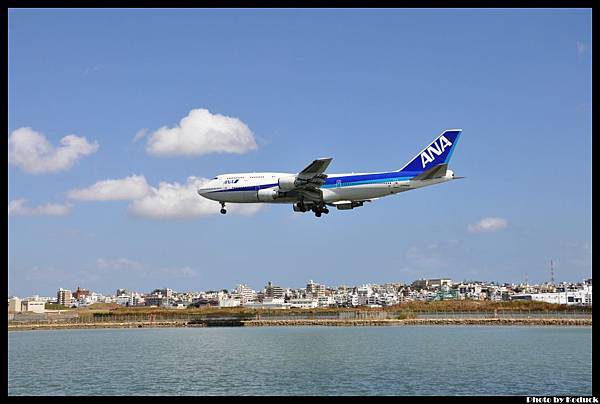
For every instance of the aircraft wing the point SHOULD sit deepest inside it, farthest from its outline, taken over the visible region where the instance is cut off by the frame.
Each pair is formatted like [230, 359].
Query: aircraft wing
[311, 178]
[437, 171]
[314, 170]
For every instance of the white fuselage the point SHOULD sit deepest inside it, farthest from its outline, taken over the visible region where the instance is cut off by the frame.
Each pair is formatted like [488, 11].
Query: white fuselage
[259, 187]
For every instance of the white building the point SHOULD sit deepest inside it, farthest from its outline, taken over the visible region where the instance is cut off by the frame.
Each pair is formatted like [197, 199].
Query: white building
[124, 300]
[14, 305]
[586, 293]
[303, 303]
[364, 292]
[325, 301]
[352, 299]
[64, 297]
[269, 303]
[470, 291]
[233, 301]
[274, 291]
[570, 297]
[315, 289]
[246, 294]
[33, 306]
[387, 299]
[340, 299]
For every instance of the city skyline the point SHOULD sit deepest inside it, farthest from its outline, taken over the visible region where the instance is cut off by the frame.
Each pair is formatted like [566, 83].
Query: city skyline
[286, 287]
[314, 295]
[115, 116]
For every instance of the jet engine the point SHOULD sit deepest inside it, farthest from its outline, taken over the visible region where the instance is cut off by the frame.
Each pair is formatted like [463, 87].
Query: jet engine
[267, 194]
[287, 183]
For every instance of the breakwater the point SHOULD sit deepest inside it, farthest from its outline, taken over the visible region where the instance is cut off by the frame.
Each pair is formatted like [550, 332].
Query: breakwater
[309, 322]
[422, 321]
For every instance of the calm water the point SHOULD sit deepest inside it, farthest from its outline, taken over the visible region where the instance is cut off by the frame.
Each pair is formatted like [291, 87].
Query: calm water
[426, 360]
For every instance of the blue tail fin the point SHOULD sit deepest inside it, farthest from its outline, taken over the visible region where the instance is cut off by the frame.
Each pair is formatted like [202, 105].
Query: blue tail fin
[438, 152]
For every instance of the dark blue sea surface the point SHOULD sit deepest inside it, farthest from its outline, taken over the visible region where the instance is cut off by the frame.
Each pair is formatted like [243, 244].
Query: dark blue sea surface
[407, 360]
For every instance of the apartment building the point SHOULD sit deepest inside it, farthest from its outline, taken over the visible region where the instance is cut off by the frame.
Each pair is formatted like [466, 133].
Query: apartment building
[64, 297]
[314, 289]
[273, 291]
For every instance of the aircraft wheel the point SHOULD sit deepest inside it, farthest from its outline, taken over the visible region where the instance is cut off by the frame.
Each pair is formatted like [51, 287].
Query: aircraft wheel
[326, 211]
[318, 214]
[223, 211]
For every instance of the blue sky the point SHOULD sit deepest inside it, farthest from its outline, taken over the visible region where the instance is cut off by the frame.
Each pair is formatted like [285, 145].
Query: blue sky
[369, 88]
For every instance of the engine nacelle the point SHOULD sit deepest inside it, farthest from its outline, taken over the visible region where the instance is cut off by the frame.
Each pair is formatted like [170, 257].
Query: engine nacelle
[287, 183]
[267, 194]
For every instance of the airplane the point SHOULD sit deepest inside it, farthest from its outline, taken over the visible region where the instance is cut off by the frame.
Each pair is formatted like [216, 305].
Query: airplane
[313, 190]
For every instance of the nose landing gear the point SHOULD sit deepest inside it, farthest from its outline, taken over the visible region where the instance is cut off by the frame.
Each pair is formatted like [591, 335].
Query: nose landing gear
[223, 210]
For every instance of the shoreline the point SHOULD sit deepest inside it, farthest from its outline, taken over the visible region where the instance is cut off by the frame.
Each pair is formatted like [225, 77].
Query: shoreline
[308, 322]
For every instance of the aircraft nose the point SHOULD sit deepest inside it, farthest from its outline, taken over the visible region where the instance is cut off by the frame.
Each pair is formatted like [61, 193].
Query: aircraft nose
[205, 189]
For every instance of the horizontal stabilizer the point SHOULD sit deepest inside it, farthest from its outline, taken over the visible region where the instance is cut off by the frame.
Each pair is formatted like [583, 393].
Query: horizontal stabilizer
[437, 171]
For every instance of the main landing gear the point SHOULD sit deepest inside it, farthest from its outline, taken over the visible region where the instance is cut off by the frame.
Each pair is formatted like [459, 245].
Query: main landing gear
[223, 210]
[317, 209]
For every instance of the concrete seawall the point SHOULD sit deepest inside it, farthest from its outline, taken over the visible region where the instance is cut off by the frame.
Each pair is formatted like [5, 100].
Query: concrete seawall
[469, 321]
[308, 322]
[66, 326]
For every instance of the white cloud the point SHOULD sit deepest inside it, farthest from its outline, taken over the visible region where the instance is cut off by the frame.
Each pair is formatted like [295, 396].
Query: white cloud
[488, 224]
[201, 132]
[92, 69]
[118, 263]
[32, 152]
[17, 207]
[128, 188]
[168, 201]
[181, 201]
[183, 272]
[428, 256]
[140, 135]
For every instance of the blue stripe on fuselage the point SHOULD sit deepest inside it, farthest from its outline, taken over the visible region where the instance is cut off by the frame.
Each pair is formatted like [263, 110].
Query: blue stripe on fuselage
[345, 180]
[359, 179]
[250, 188]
